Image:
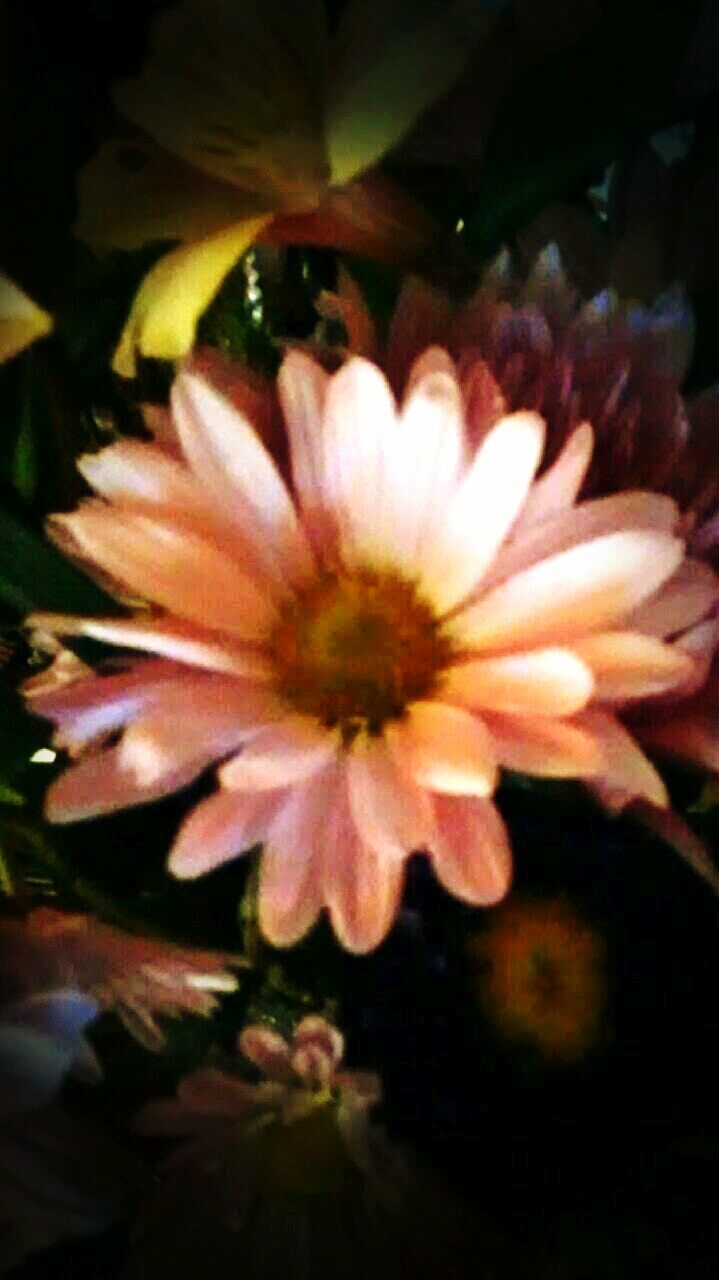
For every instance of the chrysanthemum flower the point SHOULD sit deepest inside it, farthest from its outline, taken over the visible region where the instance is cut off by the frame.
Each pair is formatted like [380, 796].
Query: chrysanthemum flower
[365, 642]
[288, 1175]
[533, 344]
[541, 980]
[137, 978]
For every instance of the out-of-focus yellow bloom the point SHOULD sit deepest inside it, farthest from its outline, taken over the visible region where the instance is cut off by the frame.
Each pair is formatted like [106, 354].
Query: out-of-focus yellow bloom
[251, 114]
[21, 320]
[541, 978]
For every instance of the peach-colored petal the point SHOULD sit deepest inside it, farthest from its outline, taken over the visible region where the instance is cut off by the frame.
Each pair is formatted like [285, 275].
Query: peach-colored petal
[483, 509]
[471, 853]
[174, 567]
[173, 639]
[543, 746]
[282, 754]
[423, 460]
[268, 1050]
[302, 386]
[559, 487]
[290, 894]
[624, 764]
[359, 428]
[389, 810]
[444, 748]
[590, 520]
[88, 709]
[228, 457]
[552, 682]
[362, 885]
[219, 829]
[133, 471]
[100, 784]
[627, 664]
[685, 598]
[570, 594]
[202, 724]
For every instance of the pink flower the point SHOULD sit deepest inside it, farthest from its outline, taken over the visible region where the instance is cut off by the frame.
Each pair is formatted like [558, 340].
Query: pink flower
[134, 977]
[364, 642]
[288, 1175]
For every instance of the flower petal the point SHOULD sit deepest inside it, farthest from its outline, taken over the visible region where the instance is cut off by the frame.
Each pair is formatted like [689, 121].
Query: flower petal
[101, 784]
[218, 829]
[201, 725]
[359, 427]
[631, 511]
[685, 598]
[280, 755]
[267, 1050]
[94, 706]
[552, 682]
[228, 457]
[175, 292]
[543, 746]
[558, 488]
[174, 567]
[362, 885]
[21, 320]
[483, 509]
[389, 810]
[624, 764]
[627, 664]
[445, 749]
[290, 894]
[173, 639]
[302, 386]
[471, 853]
[425, 456]
[572, 593]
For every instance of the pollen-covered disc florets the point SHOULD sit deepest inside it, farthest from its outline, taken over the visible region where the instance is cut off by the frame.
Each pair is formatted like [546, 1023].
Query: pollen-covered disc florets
[355, 650]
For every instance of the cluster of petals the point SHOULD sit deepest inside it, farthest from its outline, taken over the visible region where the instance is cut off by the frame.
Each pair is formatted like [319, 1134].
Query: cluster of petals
[296, 1076]
[533, 343]
[137, 978]
[555, 615]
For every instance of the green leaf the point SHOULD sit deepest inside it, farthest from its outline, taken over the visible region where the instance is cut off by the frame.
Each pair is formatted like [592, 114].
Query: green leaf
[34, 575]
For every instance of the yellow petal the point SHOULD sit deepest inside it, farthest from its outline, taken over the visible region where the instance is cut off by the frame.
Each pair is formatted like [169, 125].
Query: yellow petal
[391, 60]
[133, 192]
[176, 291]
[21, 320]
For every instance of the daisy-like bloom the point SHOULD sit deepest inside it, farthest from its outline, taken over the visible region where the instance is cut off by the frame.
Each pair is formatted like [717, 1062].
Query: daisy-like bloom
[541, 980]
[255, 119]
[22, 321]
[288, 1176]
[533, 344]
[365, 642]
[139, 979]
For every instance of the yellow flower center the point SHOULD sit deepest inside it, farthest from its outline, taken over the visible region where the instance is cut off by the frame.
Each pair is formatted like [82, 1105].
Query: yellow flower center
[354, 651]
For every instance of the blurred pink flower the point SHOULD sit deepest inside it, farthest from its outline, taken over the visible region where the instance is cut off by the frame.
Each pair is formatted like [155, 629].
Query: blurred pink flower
[365, 641]
[135, 977]
[288, 1176]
